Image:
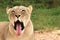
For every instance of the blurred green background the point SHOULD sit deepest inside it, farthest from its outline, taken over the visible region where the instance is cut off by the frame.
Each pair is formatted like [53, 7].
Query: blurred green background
[45, 15]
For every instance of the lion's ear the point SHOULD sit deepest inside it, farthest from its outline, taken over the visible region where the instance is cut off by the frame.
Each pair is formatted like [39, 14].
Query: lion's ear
[7, 10]
[30, 8]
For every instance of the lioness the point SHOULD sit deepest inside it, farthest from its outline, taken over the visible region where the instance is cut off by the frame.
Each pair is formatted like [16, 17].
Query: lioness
[19, 26]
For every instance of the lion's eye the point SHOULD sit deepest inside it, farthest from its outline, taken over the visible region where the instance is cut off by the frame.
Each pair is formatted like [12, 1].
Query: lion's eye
[13, 11]
[23, 10]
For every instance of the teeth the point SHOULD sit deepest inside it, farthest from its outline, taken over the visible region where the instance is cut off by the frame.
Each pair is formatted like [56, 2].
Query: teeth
[22, 31]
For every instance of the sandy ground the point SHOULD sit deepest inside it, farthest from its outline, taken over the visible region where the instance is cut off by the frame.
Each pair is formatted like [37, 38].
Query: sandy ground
[47, 35]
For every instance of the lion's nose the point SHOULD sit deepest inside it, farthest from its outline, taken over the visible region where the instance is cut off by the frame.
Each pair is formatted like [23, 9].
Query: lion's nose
[17, 16]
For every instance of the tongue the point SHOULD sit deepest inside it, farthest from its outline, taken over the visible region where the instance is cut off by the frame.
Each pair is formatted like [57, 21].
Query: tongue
[18, 29]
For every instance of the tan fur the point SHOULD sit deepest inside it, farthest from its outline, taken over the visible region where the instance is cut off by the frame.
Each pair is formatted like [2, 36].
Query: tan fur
[6, 28]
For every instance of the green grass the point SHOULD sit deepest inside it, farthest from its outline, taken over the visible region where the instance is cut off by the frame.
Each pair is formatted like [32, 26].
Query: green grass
[46, 18]
[3, 15]
[41, 18]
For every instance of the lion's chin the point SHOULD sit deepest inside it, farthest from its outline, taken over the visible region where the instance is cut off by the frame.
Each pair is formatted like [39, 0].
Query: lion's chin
[18, 27]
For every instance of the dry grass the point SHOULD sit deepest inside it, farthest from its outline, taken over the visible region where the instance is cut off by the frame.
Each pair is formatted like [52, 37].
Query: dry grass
[47, 35]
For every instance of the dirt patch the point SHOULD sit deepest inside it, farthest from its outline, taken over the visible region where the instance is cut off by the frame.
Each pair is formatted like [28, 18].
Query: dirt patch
[47, 35]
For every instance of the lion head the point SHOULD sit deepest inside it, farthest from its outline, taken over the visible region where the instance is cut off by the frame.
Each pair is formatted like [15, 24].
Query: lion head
[19, 17]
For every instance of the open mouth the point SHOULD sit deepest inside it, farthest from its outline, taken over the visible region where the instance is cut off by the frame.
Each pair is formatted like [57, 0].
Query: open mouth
[18, 26]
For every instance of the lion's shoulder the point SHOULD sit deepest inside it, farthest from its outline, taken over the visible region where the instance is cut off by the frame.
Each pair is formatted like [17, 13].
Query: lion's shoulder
[3, 25]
